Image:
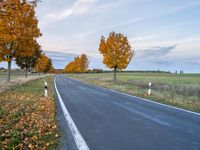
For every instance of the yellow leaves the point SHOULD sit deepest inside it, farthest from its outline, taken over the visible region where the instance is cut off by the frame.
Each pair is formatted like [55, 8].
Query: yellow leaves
[35, 138]
[70, 67]
[44, 64]
[102, 46]
[18, 27]
[27, 120]
[116, 51]
[80, 64]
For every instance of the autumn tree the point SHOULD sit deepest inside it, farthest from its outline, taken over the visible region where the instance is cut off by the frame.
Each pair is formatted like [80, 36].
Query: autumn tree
[18, 30]
[29, 62]
[84, 63]
[49, 67]
[44, 64]
[78, 65]
[69, 68]
[116, 51]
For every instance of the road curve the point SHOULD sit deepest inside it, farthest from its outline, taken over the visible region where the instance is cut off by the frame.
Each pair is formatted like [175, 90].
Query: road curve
[112, 121]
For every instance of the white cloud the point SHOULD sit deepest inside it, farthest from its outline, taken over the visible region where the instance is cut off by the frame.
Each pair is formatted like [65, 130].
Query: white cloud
[186, 48]
[78, 8]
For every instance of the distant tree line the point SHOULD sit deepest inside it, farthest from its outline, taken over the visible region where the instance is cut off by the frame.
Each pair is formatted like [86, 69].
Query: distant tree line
[125, 71]
[181, 72]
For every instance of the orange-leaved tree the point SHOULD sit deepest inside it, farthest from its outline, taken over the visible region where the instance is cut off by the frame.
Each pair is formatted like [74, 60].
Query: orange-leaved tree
[29, 62]
[49, 68]
[116, 51]
[84, 63]
[78, 65]
[44, 64]
[18, 30]
[70, 67]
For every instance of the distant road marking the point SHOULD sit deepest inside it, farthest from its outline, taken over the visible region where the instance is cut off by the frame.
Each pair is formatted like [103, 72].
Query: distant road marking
[143, 114]
[147, 100]
[80, 142]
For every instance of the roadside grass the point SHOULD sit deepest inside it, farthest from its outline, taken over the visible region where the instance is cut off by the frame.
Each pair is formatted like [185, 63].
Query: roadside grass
[174, 89]
[14, 76]
[4, 85]
[27, 118]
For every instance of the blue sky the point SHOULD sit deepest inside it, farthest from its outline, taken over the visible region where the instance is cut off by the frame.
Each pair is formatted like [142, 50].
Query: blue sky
[164, 34]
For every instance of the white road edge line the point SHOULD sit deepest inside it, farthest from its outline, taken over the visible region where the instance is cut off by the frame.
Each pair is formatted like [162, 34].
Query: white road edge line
[150, 101]
[80, 142]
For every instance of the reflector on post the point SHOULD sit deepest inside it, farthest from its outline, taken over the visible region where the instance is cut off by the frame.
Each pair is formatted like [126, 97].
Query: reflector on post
[45, 89]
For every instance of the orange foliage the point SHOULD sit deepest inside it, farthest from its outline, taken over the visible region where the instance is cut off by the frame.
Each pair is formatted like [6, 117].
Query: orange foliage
[70, 67]
[116, 51]
[44, 64]
[27, 118]
[80, 64]
[18, 29]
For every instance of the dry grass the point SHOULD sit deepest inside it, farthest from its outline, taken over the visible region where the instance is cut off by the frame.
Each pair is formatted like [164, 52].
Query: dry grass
[20, 80]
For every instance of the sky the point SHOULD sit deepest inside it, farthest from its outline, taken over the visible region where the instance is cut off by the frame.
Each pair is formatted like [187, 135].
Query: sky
[165, 35]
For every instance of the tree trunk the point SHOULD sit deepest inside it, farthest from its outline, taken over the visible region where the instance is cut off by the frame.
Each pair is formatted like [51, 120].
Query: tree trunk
[26, 72]
[115, 73]
[9, 71]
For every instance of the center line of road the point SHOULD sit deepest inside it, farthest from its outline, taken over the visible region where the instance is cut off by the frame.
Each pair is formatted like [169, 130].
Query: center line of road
[80, 142]
[143, 114]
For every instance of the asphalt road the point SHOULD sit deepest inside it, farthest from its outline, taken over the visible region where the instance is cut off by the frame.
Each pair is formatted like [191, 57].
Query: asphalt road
[112, 121]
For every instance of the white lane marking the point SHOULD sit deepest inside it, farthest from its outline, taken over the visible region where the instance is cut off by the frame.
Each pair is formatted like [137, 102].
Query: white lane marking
[143, 114]
[150, 101]
[80, 142]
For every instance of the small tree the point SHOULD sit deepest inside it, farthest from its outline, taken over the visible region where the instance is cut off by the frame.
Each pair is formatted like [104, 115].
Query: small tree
[29, 62]
[116, 51]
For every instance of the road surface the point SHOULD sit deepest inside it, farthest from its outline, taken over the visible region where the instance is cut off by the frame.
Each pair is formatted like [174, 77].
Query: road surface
[109, 120]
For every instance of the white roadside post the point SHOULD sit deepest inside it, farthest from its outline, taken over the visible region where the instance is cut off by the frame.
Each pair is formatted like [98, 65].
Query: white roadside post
[149, 90]
[45, 89]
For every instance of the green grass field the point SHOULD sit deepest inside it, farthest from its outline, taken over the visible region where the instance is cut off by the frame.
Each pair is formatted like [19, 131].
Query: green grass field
[173, 89]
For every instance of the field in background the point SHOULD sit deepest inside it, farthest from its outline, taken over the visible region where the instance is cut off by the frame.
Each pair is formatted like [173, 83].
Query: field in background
[15, 75]
[181, 90]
